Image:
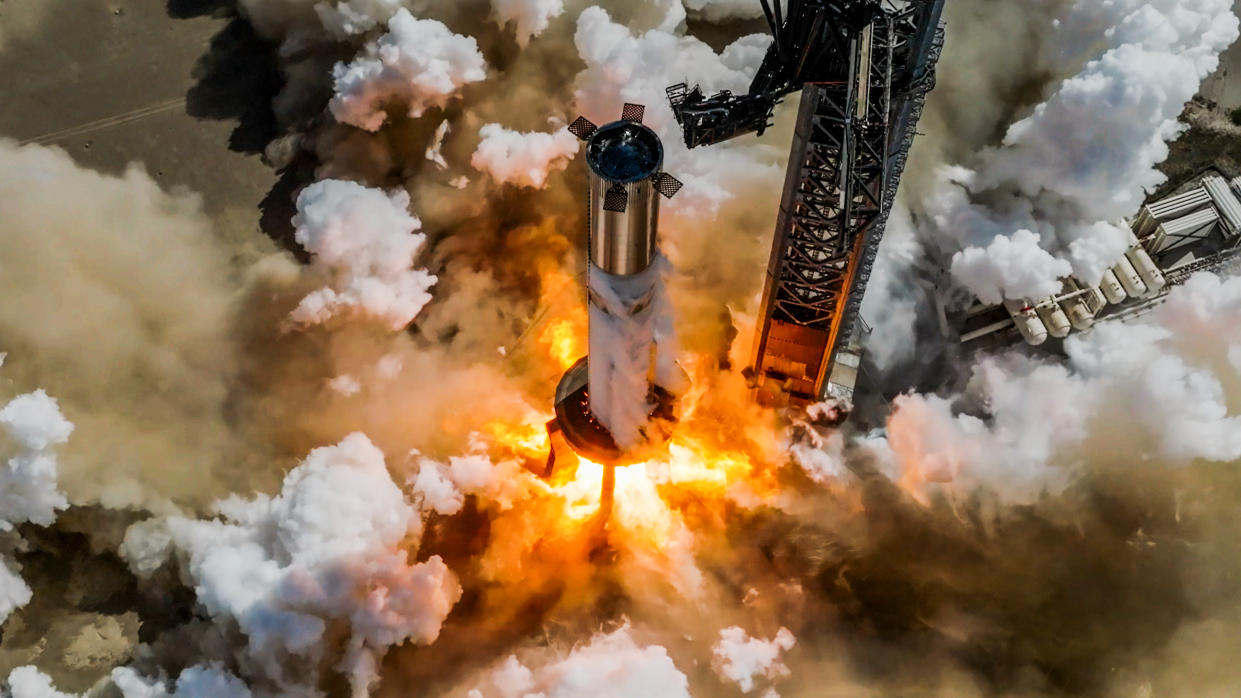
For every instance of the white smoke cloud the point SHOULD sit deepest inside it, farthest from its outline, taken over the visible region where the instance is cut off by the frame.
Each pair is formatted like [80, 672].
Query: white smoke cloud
[821, 456]
[365, 240]
[14, 592]
[29, 492]
[524, 159]
[198, 681]
[744, 660]
[444, 486]
[528, 17]
[1084, 158]
[511, 680]
[890, 305]
[1014, 265]
[419, 63]
[610, 666]
[330, 551]
[1154, 389]
[28, 489]
[29, 682]
[716, 10]
[299, 22]
[352, 17]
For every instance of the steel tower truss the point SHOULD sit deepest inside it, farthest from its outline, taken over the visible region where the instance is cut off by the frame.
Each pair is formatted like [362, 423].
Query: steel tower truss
[849, 150]
[864, 68]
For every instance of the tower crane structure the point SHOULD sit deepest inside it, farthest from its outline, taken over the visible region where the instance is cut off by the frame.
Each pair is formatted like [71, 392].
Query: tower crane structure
[864, 68]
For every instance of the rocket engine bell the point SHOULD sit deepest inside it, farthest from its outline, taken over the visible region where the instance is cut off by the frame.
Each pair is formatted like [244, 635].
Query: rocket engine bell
[610, 404]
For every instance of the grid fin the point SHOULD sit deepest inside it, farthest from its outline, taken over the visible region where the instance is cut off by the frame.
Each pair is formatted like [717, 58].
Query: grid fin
[667, 185]
[582, 127]
[633, 112]
[615, 199]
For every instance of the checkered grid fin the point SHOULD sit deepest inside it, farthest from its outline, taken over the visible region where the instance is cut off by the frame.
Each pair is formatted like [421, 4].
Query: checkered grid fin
[615, 199]
[667, 185]
[633, 112]
[582, 127]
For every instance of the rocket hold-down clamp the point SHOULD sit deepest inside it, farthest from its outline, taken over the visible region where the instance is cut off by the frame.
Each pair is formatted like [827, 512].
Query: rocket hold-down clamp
[614, 405]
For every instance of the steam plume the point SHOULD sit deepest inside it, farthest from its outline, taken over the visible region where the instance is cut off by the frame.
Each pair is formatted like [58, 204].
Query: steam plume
[523, 159]
[419, 62]
[528, 17]
[366, 242]
[325, 551]
[1046, 201]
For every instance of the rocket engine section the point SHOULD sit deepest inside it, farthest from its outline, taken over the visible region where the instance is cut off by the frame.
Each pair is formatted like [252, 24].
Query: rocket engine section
[610, 404]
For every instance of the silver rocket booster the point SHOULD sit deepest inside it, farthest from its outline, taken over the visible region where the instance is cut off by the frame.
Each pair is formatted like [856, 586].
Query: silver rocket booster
[623, 157]
[610, 403]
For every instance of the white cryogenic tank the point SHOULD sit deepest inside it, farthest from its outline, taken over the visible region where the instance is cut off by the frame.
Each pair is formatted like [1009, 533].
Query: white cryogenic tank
[1054, 319]
[1111, 288]
[1147, 270]
[1027, 321]
[1129, 279]
[1078, 312]
[1081, 303]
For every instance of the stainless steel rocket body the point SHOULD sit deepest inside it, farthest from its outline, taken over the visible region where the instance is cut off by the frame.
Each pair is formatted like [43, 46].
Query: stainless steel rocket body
[623, 242]
[630, 342]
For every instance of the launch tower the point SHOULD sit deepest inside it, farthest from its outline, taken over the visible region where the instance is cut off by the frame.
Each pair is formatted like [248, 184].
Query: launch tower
[864, 68]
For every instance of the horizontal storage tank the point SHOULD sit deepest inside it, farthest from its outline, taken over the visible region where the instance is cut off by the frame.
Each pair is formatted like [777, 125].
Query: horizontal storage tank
[1075, 307]
[1080, 303]
[1226, 203]
[1111, 289]
[1054, 318]
[1147, 270]
[1129, 279]
[1094, 299]
[1078, 313]
[1028, 323]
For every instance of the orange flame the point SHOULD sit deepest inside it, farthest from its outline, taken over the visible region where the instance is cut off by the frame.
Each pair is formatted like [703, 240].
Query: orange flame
[722, 452]
[564, 340]
[526, 439]
[563, 337]
[715, 457]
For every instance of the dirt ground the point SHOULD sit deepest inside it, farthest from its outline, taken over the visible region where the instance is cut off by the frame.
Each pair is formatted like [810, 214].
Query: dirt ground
[176, 85]
[182, 88]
